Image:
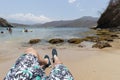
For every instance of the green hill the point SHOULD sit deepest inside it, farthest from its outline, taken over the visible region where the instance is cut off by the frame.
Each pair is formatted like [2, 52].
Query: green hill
[4, 23]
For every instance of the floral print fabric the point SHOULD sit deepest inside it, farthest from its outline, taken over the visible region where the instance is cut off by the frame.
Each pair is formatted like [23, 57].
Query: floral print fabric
[60, 72]
[27, 67]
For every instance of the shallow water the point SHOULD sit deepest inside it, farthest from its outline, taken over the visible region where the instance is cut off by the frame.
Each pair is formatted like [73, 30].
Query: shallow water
[18, 35]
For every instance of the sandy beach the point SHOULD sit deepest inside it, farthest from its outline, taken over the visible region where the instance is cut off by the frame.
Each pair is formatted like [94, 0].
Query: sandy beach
[84, 63]
[86, 35]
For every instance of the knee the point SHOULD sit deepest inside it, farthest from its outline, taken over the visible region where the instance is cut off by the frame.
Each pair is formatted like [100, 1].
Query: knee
[31, 51]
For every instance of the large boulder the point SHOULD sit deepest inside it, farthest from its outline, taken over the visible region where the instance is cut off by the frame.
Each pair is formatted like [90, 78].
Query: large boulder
[114, 36]
[101, 45]
[91, 38]
[34, 41]
[75, 40]
[111, 16]
[56, 41]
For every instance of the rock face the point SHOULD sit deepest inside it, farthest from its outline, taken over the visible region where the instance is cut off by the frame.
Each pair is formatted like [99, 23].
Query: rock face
[111, 16]
[4, 23]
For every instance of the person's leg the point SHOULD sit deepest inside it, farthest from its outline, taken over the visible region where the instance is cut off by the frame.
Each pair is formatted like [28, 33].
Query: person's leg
[35, 53]
[59, 72]
[46, 58]
[43, 62]
[27, 67]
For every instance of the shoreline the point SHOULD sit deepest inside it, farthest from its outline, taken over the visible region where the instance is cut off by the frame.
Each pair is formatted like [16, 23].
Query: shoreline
[84, 63]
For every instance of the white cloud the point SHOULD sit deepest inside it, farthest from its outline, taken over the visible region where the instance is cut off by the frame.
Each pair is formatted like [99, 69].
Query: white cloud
[80, 7]
[28, 17]
[71, 1]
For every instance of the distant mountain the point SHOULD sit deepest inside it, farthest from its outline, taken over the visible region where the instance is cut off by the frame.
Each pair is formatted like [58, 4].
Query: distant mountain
[4, 23]
[86, 21]
[55, 23]
[36, 25]
[19, 25]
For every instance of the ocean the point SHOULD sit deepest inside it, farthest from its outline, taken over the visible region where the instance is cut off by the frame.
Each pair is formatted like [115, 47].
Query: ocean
[18, 34]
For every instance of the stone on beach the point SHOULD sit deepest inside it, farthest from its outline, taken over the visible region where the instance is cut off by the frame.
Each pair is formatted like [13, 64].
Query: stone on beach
[75, 40]
[114, 36]
[101, 45]
[97, 38]
[34, 41]
[103, 32]
[105, 38]
[91, 38]
[56, 41]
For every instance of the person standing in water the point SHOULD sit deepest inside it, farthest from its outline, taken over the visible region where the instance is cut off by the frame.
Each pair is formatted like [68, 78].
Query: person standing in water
[10, 30]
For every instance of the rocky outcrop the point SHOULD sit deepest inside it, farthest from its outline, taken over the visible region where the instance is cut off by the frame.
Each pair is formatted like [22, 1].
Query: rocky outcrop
[75, 40]
[101, 44]
[111, 16]
[4, 23]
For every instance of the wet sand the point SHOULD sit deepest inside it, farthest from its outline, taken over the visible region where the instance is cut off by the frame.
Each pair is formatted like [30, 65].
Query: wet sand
[84, 63]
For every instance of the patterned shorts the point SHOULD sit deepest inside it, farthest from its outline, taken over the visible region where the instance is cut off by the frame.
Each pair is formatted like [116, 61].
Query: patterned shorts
[27, 67]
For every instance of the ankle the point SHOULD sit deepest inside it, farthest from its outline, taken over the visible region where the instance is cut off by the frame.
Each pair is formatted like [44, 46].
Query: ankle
[46, 61]
[57, 60]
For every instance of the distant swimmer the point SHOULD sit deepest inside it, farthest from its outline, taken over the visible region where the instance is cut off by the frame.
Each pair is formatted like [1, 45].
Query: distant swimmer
[26, 30]
[31, 30]
[1, 32]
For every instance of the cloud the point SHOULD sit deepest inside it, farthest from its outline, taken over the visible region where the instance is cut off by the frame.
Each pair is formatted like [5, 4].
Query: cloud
[28, 17]
[71, 1]
[80, 7]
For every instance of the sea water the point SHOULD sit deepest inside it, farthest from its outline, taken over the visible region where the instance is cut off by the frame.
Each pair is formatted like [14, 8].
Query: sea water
[18, 34]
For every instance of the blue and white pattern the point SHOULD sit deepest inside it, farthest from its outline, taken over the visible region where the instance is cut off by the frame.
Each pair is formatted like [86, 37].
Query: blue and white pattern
[27, 67]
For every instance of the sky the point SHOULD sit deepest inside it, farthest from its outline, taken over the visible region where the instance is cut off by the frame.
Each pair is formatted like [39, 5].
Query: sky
[41, 11]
